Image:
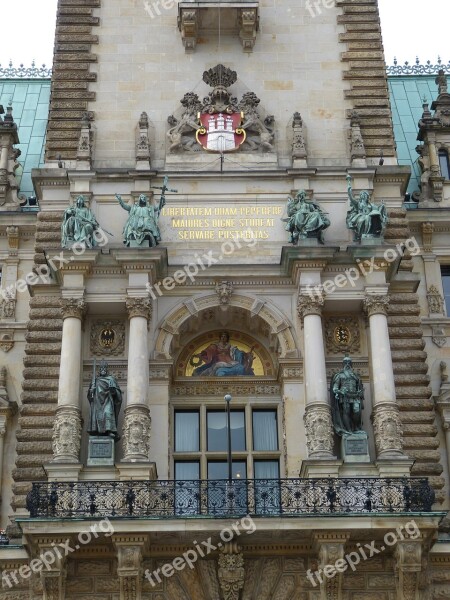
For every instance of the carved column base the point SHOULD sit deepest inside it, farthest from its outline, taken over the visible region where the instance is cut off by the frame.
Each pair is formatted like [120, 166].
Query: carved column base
[319, 431]
[136, 433]
[67, 434]
[388, 431]
[408, 566]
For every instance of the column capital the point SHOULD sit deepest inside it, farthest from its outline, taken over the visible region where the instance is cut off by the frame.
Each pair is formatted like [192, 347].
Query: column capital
[310, 305]
[139, 307]
[376, 304]
[73, 308]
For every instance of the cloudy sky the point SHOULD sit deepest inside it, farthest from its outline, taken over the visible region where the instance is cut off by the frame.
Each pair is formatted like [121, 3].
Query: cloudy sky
[404, 24]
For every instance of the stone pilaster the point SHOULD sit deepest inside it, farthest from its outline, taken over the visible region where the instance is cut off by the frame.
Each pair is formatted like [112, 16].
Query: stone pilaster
[408, 554]
[318, 422]
[386, 419]
[331, 548]
[137, 420]
[53, 578]
[130, 551]
[67, 427]
[231, 572]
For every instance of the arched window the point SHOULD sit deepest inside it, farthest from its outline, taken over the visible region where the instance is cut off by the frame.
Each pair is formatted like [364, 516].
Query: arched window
[444, 164]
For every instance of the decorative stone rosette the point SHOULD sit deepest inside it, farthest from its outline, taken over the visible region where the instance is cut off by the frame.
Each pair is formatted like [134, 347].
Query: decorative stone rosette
[310, 305]
[136, 433]
[319, 431]
[67, 435]
[139, 307]
[376, 305]
[73, 308]
[388, 430]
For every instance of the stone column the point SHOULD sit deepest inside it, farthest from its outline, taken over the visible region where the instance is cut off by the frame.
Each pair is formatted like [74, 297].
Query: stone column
[67, 427]
[318, 422]
[137, 413]
[386, 419]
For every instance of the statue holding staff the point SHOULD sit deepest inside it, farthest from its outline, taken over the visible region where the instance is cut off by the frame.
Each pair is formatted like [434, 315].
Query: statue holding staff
[105, 398]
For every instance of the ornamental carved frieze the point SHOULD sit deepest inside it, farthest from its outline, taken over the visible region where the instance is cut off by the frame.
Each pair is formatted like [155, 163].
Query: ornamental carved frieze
[310, 305]
[66, 438]
[139, 307]
[136, 433]
[319, 431]
[376, 305]
[73, 308]
[231, 571]
[107, 338]
[342, 334]
[388, 430]
[435, 301]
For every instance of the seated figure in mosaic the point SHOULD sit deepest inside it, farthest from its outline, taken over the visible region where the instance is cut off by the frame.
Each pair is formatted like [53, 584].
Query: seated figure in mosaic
[142, 223]
[306, 219]
[347, 400]
[366, 219]
[221, 359]
[79, 225]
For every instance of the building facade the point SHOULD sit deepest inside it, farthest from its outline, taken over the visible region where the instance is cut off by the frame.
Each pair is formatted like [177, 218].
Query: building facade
[221, 228]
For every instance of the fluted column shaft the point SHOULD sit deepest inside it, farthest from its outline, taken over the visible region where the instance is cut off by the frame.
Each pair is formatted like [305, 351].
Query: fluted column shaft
[385, 416]
[67, 427]
[318, 422]
[137, 412]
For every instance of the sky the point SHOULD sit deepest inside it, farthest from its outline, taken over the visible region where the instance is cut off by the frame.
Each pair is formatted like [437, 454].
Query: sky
[410, 28]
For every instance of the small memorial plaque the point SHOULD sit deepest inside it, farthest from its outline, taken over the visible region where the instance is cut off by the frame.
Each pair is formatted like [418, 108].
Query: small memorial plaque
[355, 448]
[101, 451]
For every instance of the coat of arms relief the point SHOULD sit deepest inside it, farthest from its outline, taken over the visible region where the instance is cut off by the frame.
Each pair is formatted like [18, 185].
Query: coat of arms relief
[220, 122]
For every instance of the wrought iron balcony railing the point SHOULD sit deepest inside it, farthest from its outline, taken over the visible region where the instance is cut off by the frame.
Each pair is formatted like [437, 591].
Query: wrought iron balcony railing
[220, 498]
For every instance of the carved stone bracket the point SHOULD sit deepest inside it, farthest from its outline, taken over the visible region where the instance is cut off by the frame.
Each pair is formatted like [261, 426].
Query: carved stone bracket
[408, 554]
[388, 430]
[319, 431]
[66, 438]
[188, 25]
[330, 548]
[129, 567]
[53, 578]
[73, 308]
[139, 307]
[438, 335]
[249, 23]
[231, 572]
[376, 305]
[136, 432]
[309, 305]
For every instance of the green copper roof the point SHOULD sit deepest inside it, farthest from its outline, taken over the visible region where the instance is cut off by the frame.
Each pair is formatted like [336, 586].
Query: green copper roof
[407, 93]
[30, 101]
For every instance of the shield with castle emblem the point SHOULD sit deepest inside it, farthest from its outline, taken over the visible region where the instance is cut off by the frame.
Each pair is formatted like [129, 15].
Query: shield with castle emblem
[220, 132]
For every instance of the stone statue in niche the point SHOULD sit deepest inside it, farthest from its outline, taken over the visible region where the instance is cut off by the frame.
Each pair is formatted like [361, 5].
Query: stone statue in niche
[347, 400]
[105, 398]
[366, 219]
[79, 225]
[141, 228]
[221, 359]
[305, 219]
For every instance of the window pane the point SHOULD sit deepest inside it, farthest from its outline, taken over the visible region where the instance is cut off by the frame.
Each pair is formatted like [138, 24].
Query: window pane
[218, 469]
[187, 438]
[265, 431]
[445, 273]
[444, 163]
[217, 430]
[266, 469]
[187, 470]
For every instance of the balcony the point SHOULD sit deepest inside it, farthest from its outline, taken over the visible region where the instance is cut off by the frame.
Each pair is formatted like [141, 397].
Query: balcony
[222, 499]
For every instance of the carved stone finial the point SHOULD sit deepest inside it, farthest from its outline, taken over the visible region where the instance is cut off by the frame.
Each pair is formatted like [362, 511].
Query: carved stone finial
[139, 307]
[220, 76]
[73, 308]
[376, 305]
[441, 82]
[310, 305]
[231, 571]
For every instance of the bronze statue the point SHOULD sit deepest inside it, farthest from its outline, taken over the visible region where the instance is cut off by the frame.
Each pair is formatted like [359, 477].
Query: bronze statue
[79, 225]
[105, 398]
[365, 219]
[347, 400]
[142, 223]
[306, 219]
